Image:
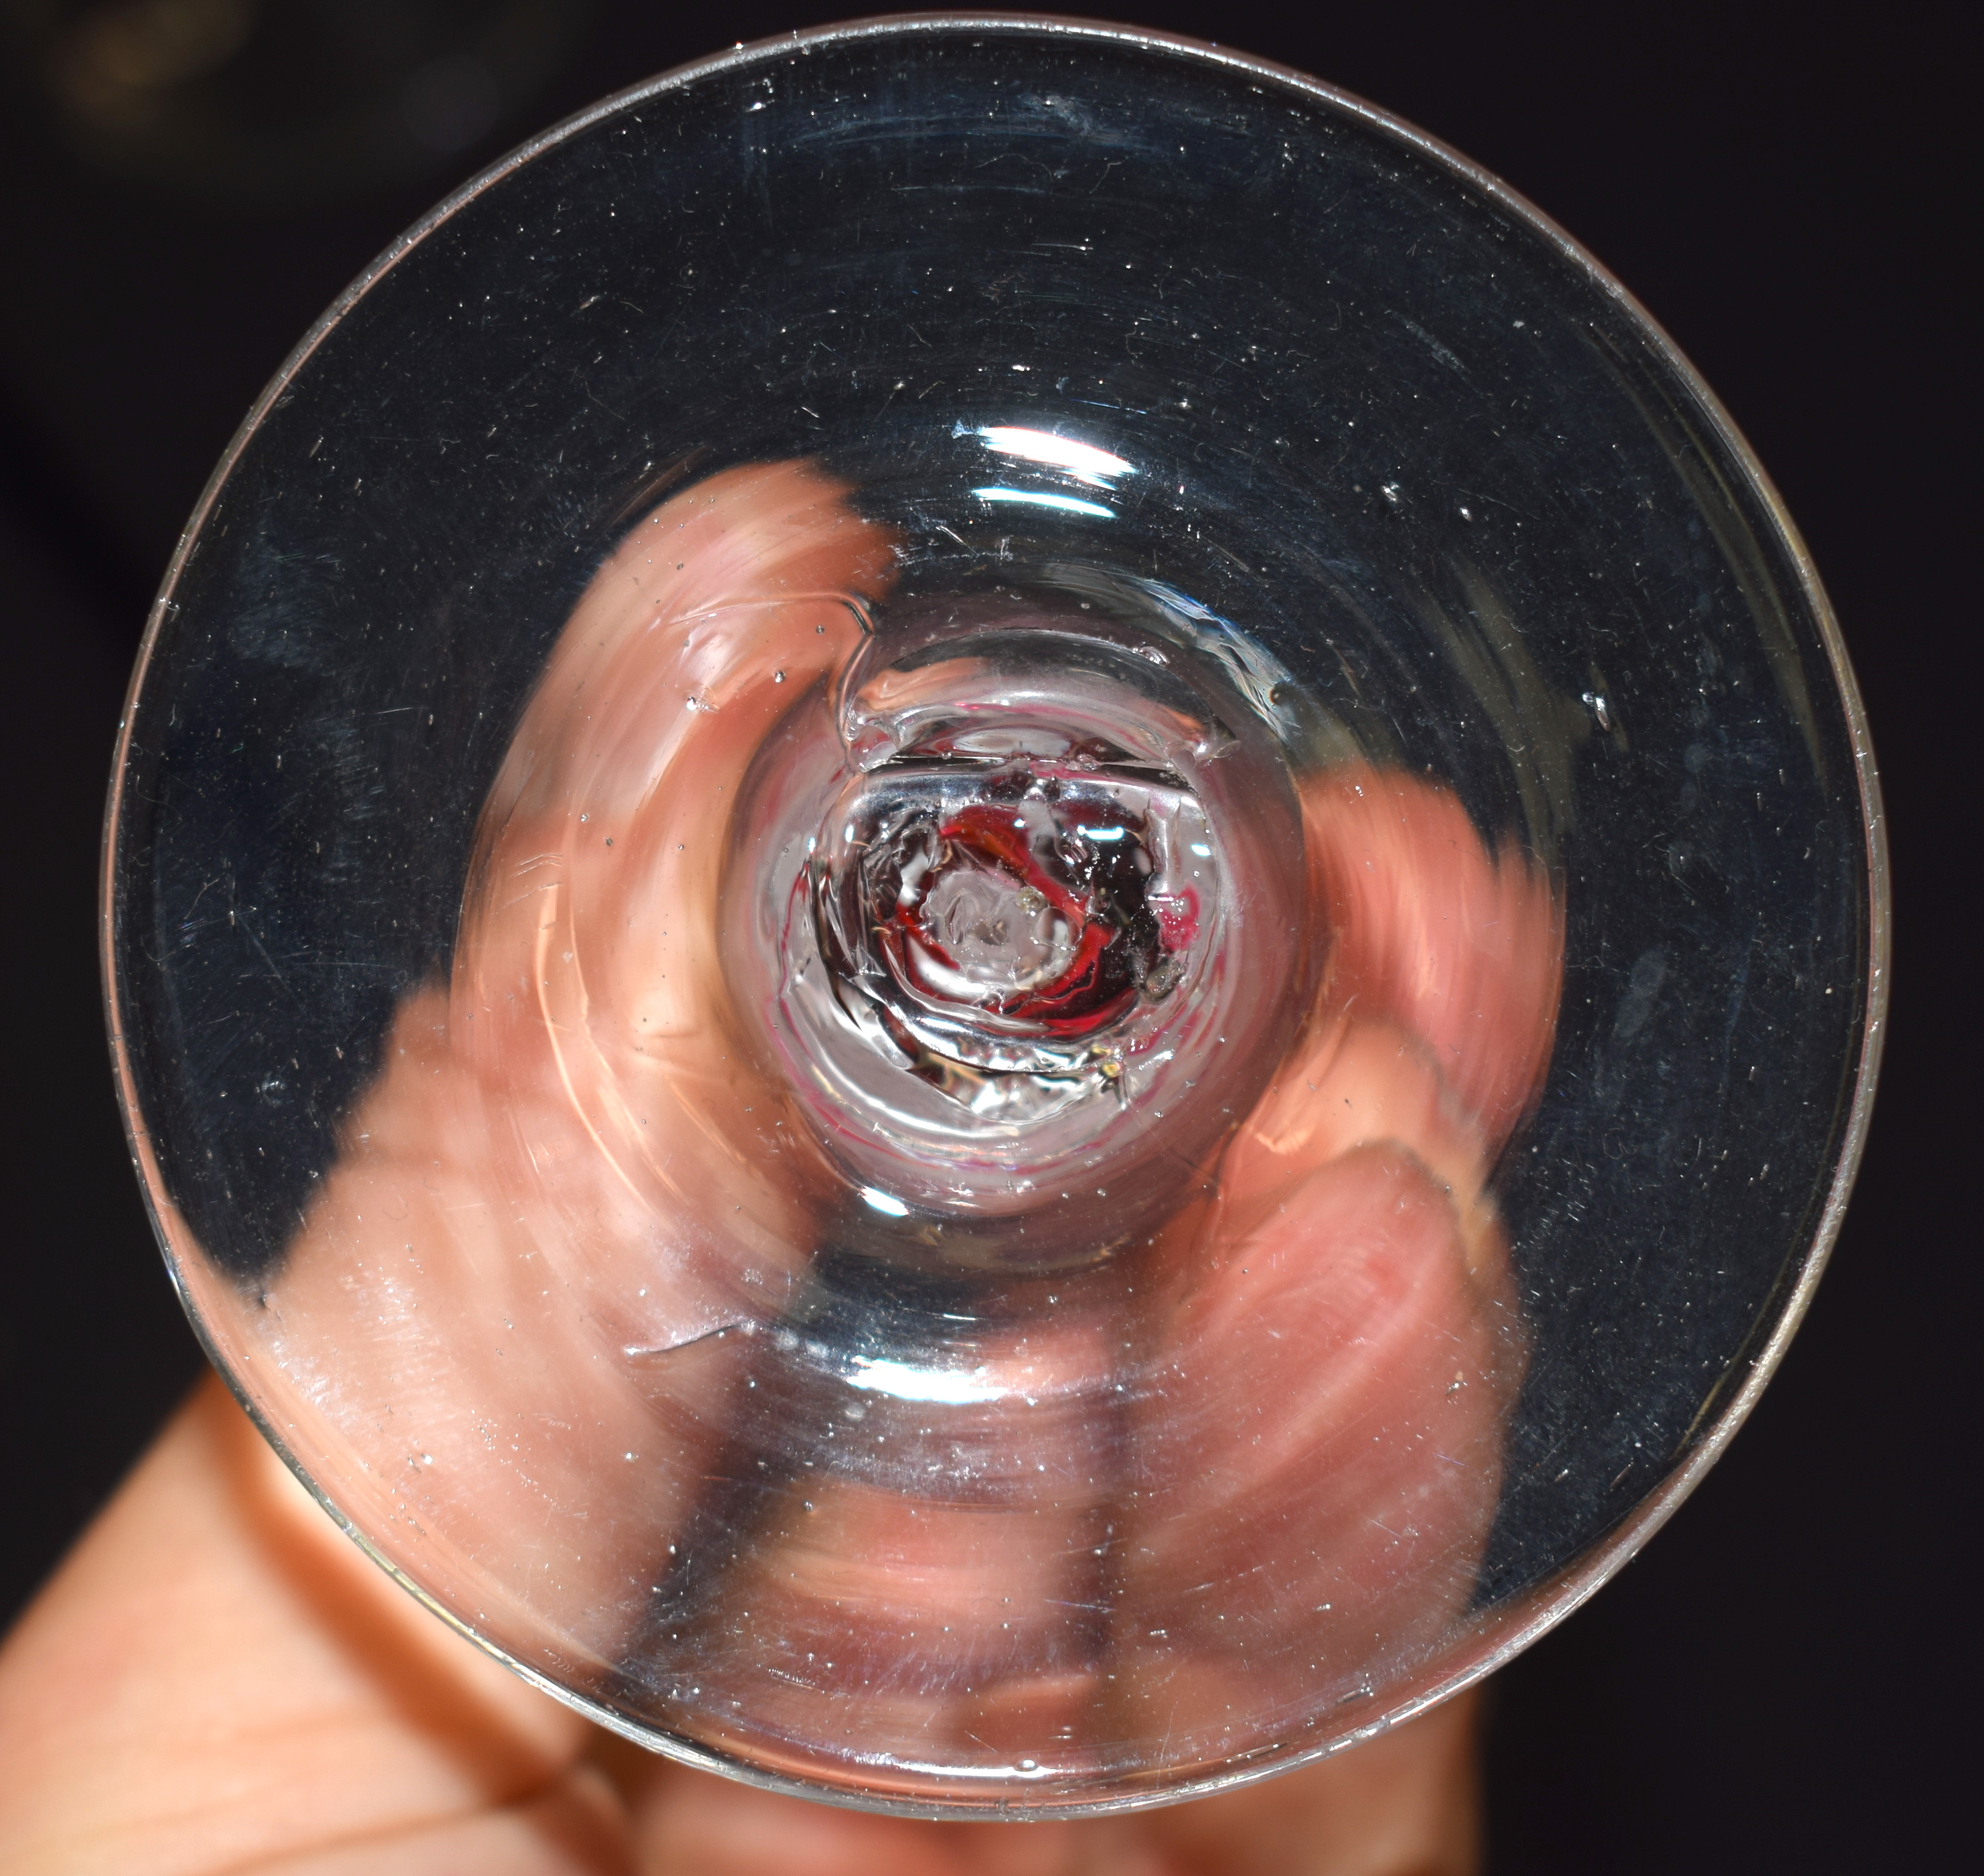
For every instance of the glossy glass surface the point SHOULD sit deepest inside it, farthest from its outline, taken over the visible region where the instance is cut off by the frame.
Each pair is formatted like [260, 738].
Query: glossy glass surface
[993, 918]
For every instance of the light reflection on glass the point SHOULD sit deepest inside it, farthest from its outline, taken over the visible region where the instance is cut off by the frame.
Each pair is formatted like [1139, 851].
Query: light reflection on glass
[1042, 498]
[1082, 460]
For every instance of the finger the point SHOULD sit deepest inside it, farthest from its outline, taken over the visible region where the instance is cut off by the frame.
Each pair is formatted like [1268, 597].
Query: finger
[1355, 1082]
[500, 1343]
[217, 1679]
[1439, 1002]
[1460, 948]
[1318, 1439]
[593, 955]
[905, 1588]
[436, 1368]
[1405, 1804]
[578, 1828]
[1318, 1456]
[685, 1820]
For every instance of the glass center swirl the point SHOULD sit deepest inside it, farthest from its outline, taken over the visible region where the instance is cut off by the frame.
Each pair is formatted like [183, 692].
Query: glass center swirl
[1006, 917]
[1018, 992]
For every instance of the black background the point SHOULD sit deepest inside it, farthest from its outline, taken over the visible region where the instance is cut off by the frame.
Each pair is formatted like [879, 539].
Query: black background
[1773, 1685]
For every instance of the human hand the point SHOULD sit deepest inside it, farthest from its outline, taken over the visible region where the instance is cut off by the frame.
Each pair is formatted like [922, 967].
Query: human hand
[1287, 1465]
[218, 1680]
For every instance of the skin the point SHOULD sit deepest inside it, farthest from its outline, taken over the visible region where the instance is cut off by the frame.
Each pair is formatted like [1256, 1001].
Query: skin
[1257, 1460]
[217, 1680]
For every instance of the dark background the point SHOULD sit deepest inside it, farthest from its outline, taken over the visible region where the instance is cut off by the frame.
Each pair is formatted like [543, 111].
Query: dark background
[183, 189]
